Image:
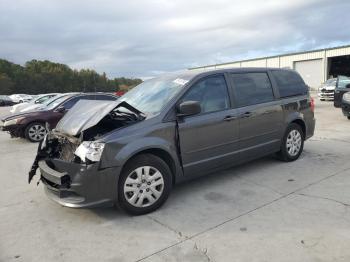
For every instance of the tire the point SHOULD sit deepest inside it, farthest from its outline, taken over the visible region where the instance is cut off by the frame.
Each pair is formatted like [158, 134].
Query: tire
[136, 197]
[35, 132]
[294, 136]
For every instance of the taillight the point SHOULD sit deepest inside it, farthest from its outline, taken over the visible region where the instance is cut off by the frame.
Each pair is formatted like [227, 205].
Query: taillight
[312, 104]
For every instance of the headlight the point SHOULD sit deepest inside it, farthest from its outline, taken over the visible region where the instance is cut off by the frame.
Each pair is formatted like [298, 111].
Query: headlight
[12, 121]
[346, 97]
[90, 150]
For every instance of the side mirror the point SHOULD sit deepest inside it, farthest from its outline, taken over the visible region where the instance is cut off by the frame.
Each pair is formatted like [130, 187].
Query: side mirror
[60, 109]
[188, 108]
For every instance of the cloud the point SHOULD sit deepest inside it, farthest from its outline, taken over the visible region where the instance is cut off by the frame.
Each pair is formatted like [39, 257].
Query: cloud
[144, 38]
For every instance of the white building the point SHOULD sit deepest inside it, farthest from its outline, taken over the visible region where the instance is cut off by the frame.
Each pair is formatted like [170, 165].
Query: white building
[315, 66]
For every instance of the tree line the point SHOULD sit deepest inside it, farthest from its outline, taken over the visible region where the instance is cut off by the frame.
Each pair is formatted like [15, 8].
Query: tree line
[39, 77]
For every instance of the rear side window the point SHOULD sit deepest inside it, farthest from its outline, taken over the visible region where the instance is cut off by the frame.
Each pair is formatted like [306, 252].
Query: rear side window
[289, 83]
[252, 88]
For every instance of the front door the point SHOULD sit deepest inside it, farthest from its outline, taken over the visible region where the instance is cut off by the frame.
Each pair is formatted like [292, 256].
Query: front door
[210, 139]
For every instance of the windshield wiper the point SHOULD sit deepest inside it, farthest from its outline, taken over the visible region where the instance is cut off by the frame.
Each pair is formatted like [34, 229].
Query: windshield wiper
[132, 109]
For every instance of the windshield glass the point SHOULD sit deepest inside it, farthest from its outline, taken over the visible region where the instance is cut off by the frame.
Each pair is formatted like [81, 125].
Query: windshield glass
[330, 82]
[343, 81]
[55, 102]
[150, 96]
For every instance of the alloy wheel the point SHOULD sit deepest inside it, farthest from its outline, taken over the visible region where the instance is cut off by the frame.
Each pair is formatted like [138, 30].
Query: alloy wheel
[294, 142]
[37, 132]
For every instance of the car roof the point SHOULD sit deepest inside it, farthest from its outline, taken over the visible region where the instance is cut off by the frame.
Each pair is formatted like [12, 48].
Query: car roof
[189, 74]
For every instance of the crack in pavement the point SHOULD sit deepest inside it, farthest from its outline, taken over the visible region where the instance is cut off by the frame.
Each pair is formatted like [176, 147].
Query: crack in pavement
[179, 233]
[202, 251]
[324, 198]
[243, 214]
[257, 184]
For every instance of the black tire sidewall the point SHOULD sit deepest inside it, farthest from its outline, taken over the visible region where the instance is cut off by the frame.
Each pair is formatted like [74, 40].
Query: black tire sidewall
[284, 152]
[26, 131]
[138, 161]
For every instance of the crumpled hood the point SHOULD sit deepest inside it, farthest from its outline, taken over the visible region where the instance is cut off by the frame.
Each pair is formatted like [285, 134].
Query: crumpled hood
[83, 115]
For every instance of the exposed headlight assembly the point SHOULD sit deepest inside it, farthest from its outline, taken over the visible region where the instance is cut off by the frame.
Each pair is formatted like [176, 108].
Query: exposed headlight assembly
[12, 121]
[346, 97]
[90, 150]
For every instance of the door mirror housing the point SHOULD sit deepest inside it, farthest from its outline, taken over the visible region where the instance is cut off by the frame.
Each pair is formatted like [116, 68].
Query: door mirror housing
[188, 108]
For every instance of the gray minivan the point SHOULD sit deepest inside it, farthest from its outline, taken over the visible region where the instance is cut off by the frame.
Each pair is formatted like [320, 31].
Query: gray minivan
[170, 129]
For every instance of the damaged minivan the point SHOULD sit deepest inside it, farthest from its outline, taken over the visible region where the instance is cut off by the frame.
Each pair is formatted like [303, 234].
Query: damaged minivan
[169, 129]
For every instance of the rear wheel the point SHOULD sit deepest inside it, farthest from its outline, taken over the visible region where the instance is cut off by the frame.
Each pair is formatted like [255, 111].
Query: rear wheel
[292, 143]
[144, 185]
[35, 132]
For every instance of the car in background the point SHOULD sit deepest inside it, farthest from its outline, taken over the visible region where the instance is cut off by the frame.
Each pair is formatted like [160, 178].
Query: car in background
[21, 98]
[34, 125]
[345, 106]
[32, 104]
[326, 91]
[343, 86]
[6, 101]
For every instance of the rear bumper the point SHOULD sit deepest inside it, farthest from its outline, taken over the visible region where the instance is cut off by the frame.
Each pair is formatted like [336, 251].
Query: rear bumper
[310, 129]
[78, 185]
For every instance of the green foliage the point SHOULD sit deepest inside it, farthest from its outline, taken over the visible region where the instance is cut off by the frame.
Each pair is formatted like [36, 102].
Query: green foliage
[38, 77]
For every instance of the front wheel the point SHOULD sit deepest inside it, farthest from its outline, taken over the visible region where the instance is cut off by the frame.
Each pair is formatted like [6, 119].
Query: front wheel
[144, 185]
[35, 132]
[292, 143]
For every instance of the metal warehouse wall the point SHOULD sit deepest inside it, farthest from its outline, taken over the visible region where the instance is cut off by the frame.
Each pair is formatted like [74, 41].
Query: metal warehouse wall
[289, 61]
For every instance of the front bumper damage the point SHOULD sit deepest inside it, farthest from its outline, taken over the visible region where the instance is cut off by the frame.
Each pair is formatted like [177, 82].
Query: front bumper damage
[13, 130]
[79, 185]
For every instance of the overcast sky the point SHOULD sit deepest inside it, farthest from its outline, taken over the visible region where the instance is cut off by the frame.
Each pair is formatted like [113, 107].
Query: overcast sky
[145, 38]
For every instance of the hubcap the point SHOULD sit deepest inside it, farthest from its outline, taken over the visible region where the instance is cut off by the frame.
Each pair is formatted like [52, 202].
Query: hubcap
[293, 142]
[37, 132]
[143, 186]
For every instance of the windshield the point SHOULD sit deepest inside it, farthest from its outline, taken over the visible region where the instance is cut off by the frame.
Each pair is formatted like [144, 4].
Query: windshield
[150, 96]
[330, 82]
[343, 81]
[52, 103]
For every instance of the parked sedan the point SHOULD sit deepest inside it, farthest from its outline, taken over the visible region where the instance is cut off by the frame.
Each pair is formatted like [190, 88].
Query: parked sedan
[21, 98]
[6, 101]
[34, 125]
[326, 91]
[32, 104]
[346, 105]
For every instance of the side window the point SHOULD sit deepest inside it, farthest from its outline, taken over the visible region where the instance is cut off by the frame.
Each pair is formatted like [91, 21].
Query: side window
[70, 103]
[105, 97]
[252, 88]
[289, 83]
[211, 93]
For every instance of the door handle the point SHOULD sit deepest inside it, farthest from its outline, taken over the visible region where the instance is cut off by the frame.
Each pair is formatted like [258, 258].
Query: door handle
[246, 114]
[229, 118]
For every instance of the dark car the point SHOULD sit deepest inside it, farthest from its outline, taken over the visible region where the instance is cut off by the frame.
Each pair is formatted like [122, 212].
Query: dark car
[33, 125]
[6, 101]
[343, 86]
[170, 129]
[346, 105]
